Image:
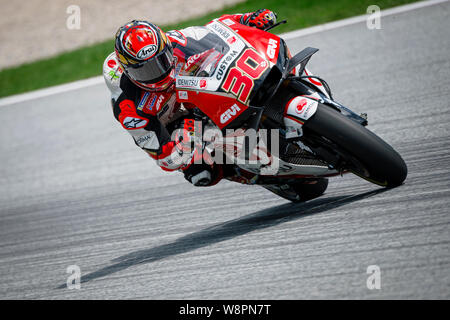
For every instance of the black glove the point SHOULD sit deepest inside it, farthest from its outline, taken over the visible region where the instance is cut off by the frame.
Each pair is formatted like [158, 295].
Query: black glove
[200, 175]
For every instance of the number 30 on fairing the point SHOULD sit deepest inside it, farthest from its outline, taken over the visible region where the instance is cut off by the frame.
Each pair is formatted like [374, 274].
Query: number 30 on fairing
[240, 79]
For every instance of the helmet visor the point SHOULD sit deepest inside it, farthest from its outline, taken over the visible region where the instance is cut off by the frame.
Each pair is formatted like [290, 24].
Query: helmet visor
[154, 69]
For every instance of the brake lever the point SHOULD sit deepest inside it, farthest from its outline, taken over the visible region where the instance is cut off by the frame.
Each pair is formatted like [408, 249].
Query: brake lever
[275, 25]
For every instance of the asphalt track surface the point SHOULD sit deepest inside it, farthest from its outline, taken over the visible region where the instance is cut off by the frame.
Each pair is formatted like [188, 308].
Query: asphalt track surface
[75, 190]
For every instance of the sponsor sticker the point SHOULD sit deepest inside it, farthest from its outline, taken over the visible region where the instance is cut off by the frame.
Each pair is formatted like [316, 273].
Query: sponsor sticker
[191, 60]
[183, 95]
[231, 40]
[226, 61]
[191, 83]
[301, 104]
[113, 75]
[272, 48]
[303, 108]
[229, 113]
[111, 63]
[134, 123]
[149, 106]
[152, 103]
[228, 22]
[144, 139]
[178, 68]
[143, 101]
[160, 101]
[225, 34]
[147, 52]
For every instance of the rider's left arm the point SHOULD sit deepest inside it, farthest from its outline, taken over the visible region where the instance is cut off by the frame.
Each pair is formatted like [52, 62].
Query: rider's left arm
[260, 19]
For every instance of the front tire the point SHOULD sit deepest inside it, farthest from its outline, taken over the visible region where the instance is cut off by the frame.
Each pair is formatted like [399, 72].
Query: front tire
[353, 147]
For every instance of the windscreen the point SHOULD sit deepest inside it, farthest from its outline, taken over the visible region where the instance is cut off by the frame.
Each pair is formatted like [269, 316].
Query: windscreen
[203, 53]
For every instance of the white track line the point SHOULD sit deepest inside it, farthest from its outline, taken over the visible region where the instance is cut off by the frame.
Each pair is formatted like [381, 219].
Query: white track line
[358, 19]
[287, 36]
[51, 91]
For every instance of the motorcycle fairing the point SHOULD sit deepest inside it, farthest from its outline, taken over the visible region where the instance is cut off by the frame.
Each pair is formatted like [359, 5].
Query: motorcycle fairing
[226, 81]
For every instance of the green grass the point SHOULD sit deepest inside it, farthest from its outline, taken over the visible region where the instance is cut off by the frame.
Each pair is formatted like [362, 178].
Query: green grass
[87, 62]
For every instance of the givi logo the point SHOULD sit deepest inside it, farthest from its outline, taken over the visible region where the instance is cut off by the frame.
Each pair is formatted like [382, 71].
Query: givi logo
[229, 113]
[272, 48]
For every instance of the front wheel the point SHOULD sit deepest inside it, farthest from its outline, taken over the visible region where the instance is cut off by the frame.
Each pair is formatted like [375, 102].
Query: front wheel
[347, 145]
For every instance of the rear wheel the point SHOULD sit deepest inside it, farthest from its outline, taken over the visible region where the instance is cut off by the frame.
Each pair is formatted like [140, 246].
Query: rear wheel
[347, 145]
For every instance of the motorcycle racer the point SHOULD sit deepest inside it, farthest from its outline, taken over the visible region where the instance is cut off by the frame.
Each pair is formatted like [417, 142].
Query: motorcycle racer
[141, 75]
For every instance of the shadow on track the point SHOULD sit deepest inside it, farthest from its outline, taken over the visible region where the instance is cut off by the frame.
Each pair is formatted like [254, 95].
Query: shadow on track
[224, 231]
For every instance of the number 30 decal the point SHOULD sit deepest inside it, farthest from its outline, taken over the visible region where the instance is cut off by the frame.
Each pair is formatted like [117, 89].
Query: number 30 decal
[240, 79]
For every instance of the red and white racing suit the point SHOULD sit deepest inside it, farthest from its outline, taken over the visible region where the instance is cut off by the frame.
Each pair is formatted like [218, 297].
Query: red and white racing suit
[150, 116]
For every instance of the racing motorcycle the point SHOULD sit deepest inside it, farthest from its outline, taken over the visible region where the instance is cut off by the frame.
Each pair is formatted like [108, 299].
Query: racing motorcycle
[244, 84]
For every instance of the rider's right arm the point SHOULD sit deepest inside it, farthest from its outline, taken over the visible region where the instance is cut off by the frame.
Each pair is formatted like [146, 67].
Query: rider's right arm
[148, 134]
[146, 130]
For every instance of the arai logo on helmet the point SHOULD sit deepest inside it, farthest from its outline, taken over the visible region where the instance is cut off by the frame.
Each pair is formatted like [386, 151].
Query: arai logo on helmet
[146, 52]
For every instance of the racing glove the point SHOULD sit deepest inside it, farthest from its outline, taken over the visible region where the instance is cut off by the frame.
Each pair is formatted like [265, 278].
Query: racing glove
[185, 137]
[200, 175]
[261, 19]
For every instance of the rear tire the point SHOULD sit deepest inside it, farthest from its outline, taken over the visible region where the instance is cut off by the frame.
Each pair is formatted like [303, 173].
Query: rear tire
[360, 150]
